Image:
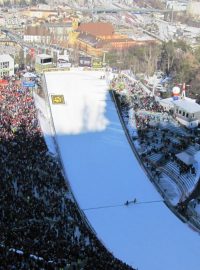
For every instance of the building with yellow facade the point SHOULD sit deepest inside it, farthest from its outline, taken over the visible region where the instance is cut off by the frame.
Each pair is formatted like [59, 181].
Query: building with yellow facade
[96, 38]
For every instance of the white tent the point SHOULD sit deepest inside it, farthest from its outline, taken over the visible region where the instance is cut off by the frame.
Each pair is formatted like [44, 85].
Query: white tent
[197, 156]
[29, 75]
[185, 158]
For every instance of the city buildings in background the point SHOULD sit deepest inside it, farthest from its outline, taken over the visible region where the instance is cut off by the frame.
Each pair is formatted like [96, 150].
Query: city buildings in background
[6, 65]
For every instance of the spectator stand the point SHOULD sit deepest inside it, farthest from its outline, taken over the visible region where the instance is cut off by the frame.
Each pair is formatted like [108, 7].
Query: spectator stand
[157, 138]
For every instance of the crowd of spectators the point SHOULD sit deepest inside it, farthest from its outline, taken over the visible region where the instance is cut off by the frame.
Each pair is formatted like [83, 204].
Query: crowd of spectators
[41, 225]
[139, 99]
[160, 137]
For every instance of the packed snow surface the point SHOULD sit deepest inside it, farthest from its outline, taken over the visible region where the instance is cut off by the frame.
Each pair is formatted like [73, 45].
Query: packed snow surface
[44, 120]
[103, 171]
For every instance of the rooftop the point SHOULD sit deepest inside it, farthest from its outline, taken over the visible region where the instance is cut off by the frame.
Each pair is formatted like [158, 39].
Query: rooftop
[97, 28]
[5, 57]
[36, 31]
[43, 56]
[188, 105]
[185, 158]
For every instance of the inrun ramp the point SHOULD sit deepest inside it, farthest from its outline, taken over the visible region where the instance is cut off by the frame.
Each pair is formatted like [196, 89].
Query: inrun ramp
[103, 171]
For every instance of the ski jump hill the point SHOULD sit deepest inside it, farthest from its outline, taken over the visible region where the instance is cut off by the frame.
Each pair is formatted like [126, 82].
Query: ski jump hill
[104, 174]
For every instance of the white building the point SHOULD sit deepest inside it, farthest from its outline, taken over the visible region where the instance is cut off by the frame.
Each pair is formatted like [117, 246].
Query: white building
[37, 34]
[43, 61]
[185, 110]
[63, 61]
[6, 65]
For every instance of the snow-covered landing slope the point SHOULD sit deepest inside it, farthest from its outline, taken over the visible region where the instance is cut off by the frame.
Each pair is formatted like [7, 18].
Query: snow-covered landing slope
[102, 170]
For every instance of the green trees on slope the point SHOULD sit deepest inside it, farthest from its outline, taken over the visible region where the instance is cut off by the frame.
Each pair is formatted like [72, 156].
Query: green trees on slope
[177, 59]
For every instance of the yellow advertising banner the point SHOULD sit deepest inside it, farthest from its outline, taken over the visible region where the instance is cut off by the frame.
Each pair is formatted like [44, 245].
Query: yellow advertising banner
[57, 99]
[97, 64]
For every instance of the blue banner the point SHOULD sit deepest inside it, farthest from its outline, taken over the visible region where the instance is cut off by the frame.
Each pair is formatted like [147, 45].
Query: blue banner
[175, 97]
[28, 84]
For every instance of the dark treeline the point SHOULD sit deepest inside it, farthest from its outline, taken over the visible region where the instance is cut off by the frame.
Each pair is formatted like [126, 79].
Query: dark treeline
[177, 59]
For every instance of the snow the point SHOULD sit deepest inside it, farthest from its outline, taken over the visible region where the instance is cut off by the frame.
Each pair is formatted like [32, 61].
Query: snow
[131, 126]
[187, 105]
[170, 189]
[197, 208]
[44, 120]
[103, 171]
[185, 158]
[197, 157]
[16, 250]
[194, 209]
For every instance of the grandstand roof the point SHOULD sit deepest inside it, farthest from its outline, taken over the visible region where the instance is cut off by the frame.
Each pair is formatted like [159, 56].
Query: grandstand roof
[90, 39]
[100, 43]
